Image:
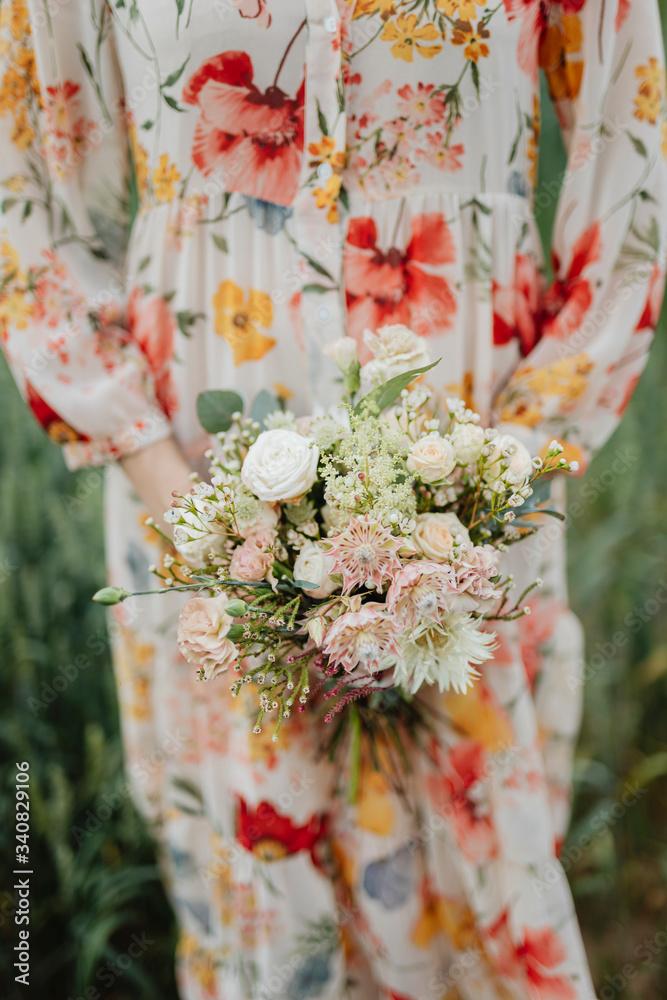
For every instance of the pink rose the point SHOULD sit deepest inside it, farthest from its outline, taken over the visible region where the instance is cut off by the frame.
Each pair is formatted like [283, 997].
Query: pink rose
[202, 635]
[251, 560]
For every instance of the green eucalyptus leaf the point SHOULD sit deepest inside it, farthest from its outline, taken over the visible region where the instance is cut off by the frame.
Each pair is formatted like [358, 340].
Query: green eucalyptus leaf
[215, 409]
[263, 404]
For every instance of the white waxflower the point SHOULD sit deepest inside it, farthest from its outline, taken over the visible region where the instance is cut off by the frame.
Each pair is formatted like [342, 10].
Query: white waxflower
[510, 452]
[281, 465]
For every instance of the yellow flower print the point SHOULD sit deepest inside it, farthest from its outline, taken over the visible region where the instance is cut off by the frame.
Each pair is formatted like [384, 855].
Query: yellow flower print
[534, 142]
[326, 197]
[452, 916]
[282, 391]
[13, 91]
[15, 309]
[477, 716]
[567, 378]
[201, 961]
[407, 38]
[15, 183]
[23, 135]
[376, 809]
[560, 42]
[164, 178]
[325, 152]
[475, 46]
[650, 92]
[14, 16]
[236, 321]
[366, 8]
[463, 10]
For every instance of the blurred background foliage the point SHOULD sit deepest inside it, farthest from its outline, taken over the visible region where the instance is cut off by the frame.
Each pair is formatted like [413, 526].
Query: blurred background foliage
[96, 883]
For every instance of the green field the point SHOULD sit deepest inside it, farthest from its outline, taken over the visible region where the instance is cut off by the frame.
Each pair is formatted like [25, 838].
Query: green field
[95, 882]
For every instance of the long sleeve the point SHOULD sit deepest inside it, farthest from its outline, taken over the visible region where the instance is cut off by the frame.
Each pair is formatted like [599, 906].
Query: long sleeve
[66, 191]
[605, 71]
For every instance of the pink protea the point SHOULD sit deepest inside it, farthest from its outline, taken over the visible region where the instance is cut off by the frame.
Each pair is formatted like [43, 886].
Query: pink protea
[474, 566]
[423, 589]
[365, 551]
[362, 638]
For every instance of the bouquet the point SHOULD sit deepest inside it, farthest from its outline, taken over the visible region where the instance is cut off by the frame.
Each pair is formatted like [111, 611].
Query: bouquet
[345, 559]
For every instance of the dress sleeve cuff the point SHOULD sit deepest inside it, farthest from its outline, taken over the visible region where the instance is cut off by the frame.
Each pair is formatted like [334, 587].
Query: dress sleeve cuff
[144, 431]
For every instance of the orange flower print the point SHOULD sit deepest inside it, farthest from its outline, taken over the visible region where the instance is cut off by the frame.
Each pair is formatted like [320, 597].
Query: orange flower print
[475, 46]
[462, 10]
[325, 151]
[560, 57]
[237, 319]
[326, 197]
[408, 38]
[66, 130]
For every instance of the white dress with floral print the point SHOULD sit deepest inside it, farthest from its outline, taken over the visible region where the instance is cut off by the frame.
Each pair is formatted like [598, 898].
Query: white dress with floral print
[296, 171]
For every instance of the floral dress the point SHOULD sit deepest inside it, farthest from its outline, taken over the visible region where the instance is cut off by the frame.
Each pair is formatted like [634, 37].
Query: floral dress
[293, 172]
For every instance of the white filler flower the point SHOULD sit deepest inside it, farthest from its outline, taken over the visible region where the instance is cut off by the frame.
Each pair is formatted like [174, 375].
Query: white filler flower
[280, 466]
[443, 653]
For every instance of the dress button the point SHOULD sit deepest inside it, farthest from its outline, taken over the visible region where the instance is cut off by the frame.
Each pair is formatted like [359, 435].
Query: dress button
[323, 314]
[324, 171]
[330, 24]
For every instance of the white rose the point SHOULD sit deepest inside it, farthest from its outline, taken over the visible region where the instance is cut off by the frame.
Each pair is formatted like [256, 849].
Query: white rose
[435, 534]
[343, 352]
[519, 464]
[280, 465]
[395, 349]
[432, 458]
[313, 565]
[468, 440]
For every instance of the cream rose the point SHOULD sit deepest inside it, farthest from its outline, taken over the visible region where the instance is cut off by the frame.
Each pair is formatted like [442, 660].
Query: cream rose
[435, 535]
[432, 458]
[468, 441]
[202, 634]
[280, 465]
[395, 349]
[520, 463]
[313, 565]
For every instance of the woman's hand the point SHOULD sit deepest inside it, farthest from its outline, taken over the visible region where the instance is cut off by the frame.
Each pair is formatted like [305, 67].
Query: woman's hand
[155, 472]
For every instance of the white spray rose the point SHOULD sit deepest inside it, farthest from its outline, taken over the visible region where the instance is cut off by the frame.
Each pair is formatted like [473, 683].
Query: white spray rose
[343, 352]
[432, 458]
[281, 465]
[200, 534]
[395, 349]
[468, 441]
[519, 463]
[313, 565]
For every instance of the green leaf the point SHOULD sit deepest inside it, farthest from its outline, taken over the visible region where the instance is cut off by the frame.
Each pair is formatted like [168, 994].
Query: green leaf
[147, 125]
[384, 395]
[215, 408]
[319, 289]
[86, 61]
[171, 102]
[8, 203]
[180, 6]
[176, 75]
[316, 266]
[186, 319]
[324, 128]
[305, 584]
[475, 76]
[638, 144]
[263, 404]
[220, 242]
[143, 263]
[344, 199]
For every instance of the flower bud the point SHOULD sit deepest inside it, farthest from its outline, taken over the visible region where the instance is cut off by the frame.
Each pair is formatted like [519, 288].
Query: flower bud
[236, 608]
[110, 595]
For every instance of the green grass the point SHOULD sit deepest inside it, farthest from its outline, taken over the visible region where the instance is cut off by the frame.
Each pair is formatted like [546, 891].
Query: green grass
[88, 899]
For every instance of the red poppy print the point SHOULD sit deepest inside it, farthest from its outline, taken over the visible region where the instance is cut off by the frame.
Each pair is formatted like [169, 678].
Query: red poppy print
[651, 313]
[527, 963]
[453, 792]
[51, 421]
[255, 9]
[272, 836]
[570, 297]
[152, 325]
[516, 306]
[252, 138]
[395, 285]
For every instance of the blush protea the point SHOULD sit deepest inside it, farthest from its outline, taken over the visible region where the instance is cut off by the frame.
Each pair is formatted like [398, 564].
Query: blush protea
[365, 552]
[362, 638]
[426, 589]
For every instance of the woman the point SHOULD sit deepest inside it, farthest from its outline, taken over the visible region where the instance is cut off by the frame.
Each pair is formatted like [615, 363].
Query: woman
[297, 172]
